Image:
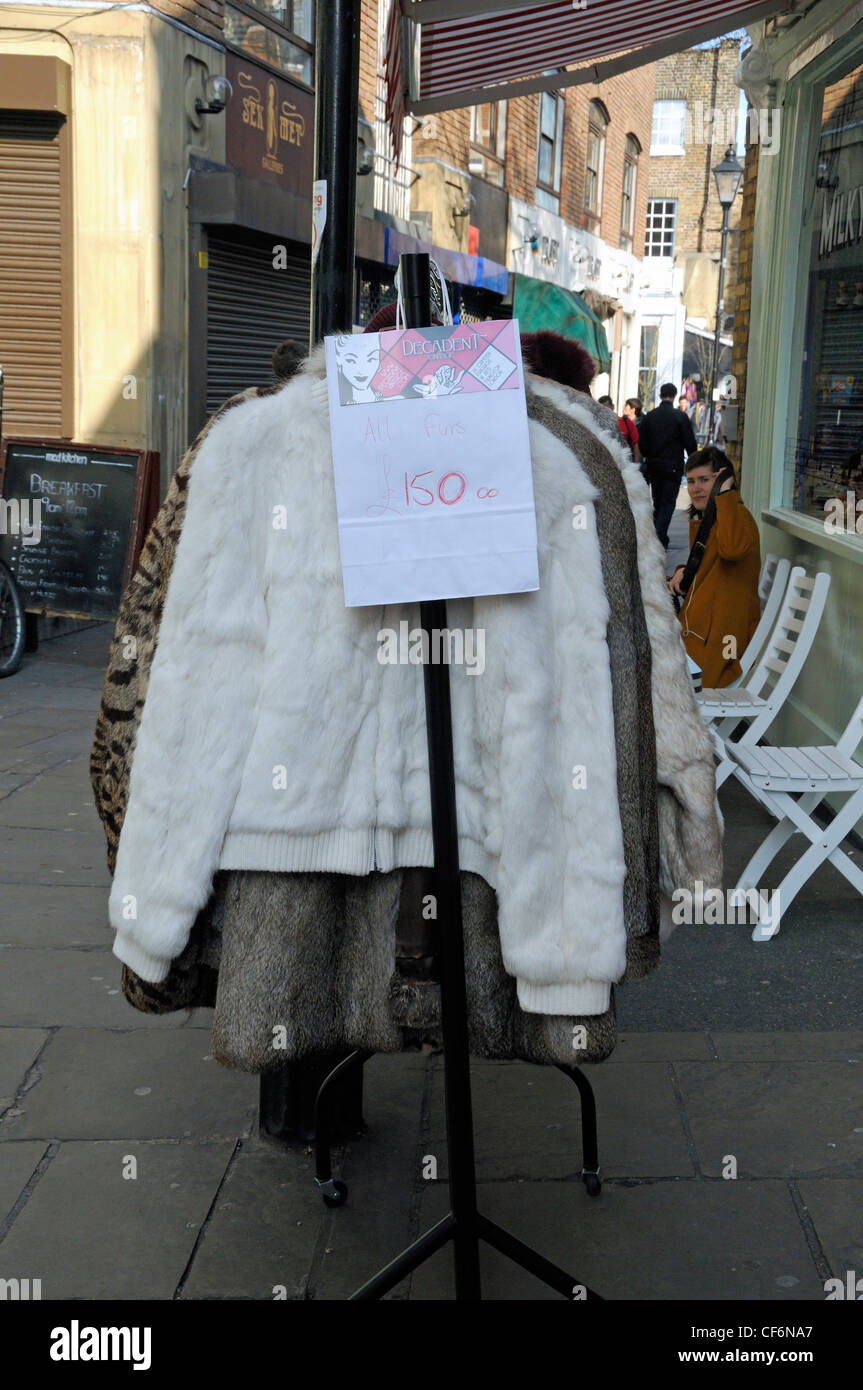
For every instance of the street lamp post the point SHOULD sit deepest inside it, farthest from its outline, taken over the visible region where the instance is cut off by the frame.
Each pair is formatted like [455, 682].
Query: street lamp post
[728, 175]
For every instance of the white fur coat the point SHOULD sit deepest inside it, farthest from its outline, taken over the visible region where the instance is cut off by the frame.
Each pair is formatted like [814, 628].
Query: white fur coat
[273, 738]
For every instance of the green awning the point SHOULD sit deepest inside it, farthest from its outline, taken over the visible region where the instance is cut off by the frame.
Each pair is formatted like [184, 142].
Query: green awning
[540, 306]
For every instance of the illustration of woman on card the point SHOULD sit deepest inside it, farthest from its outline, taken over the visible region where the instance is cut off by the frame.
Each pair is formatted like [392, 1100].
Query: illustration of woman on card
[358, 359]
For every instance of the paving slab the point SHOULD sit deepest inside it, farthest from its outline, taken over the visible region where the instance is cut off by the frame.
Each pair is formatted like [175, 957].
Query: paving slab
[89, 1233]
[716, 979]
[50, 856]
[381, 1171]
[198, 1018]
[76, 988]
[778, 1119]
[790, 1047]
[528, 1121]
[68, 669]
[16, 711]
[56, 695]
[660, 1047]
[19, 732]
[150, 1084]
[66, 804]
[688, 1239]
[38, 915]
[18, 1162]
[264, 1229]
[836, 1208]
[19, 1048]
[11, 781]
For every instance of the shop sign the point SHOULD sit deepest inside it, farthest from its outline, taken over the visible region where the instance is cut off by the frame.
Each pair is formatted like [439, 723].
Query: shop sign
[270, 126]
[79, 514]
[842, 222]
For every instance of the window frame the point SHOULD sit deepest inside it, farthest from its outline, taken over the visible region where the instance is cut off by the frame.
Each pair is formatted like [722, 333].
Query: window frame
[495, 153]
[597, 128]
[667, 149]
[252, 11]
[650, 254]
[548, 194]
[628, 196]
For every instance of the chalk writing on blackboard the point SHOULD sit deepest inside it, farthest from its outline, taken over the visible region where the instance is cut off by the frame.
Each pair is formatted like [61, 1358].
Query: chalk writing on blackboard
[89, 502]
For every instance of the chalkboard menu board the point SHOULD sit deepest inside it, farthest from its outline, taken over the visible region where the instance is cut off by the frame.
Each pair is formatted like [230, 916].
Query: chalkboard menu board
[72, 522]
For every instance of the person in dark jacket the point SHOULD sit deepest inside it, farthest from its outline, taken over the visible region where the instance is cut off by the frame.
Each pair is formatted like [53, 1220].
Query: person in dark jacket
[666, 439]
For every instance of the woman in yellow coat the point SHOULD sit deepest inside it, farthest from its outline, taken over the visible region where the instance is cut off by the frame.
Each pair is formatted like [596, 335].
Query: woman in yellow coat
[720, 609]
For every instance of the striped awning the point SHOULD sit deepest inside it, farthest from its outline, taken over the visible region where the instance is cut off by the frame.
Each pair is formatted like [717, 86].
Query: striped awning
[447, 53]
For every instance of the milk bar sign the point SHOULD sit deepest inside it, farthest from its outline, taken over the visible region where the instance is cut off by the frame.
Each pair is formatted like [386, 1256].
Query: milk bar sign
[842, 220]
[270, 126]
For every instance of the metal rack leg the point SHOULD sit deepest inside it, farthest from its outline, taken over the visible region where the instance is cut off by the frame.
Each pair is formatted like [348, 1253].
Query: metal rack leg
[531, 1260]
[332, 1190]
[590, 1149]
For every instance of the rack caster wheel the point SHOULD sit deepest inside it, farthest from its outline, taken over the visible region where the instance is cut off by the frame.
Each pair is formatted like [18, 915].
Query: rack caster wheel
[334, 1193]
[592, 1183]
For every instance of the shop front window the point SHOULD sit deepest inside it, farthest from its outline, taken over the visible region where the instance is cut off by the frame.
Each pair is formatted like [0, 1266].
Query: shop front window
[246, 29]
[647, 364]
[824, 459]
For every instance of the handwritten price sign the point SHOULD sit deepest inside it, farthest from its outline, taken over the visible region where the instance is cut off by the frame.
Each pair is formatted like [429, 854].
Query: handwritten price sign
[431, 456]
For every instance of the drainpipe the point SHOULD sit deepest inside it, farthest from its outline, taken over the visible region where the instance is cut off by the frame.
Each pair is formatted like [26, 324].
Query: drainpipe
[708, 161]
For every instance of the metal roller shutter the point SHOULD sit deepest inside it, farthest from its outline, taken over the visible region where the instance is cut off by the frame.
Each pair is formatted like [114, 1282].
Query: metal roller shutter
[32, 257]
[251, 307]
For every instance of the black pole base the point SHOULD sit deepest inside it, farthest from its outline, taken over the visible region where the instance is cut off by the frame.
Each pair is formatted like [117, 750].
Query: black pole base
[509, 1245]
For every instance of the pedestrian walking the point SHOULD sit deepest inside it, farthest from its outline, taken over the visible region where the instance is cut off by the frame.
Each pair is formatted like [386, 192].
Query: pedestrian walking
[666, 438]
[627, 427]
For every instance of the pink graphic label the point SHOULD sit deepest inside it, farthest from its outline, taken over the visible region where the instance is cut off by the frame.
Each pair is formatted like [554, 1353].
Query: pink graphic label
[427, 363]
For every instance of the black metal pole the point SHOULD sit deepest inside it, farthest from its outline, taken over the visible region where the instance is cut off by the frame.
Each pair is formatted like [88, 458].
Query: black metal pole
[287, 1096]
[337, 75]
[416, 290]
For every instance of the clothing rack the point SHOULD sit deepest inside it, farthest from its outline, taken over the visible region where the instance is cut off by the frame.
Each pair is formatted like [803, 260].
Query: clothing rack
[337, 44]
[463, 1225]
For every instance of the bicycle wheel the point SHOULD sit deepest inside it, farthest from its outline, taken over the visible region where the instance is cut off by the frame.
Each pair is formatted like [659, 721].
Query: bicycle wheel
[11, 623]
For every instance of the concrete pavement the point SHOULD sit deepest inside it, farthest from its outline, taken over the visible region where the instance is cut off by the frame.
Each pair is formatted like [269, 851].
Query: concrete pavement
[131, 1167]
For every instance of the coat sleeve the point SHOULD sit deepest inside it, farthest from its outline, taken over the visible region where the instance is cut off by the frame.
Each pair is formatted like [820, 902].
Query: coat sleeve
[643, 429]
[187, 767]
[736, 532]
[136, 633]
[690, 443]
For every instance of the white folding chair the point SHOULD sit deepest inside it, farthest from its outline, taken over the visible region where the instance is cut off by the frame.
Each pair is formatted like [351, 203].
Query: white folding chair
[768, 686]
[772, 588]
[783, 774]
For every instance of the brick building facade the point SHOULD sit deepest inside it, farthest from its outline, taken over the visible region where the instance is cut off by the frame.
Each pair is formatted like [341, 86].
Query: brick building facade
[698, 114]
[742, 303]
[703, 79]
[556, 183]
[185, 220]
